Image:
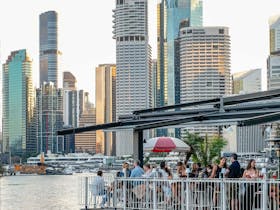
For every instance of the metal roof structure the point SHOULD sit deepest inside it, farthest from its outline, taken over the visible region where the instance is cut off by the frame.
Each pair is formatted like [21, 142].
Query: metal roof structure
[242, 110]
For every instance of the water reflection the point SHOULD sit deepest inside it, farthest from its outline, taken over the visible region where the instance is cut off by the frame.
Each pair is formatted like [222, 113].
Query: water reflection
[39, 193]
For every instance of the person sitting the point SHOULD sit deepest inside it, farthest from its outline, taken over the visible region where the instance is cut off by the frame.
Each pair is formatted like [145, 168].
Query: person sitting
[98, 187]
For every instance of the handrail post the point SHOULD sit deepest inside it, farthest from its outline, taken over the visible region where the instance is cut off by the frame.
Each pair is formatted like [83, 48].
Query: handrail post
[115, 193]
[154, 195]
[124, 193]
[187, 193]
[264, 199]
[223, 193]
[86, 193]
[181, 197]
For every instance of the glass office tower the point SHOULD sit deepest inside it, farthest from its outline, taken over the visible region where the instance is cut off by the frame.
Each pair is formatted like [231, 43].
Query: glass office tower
[49, 112]
[18, 105]
[171, 13]
[49, 48]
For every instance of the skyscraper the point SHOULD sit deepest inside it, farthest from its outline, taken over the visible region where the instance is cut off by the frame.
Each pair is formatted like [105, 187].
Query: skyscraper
[204, 65]
[49, 112]
[49, 52]
[105, 102]
[247, 81]
[133, 61]
[71, 109]
[19, 135]
[273, 61]
[170, 14]
[86, 141]
[154, 82]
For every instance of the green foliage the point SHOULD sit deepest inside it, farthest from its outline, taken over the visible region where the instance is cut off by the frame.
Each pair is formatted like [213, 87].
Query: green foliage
[204, 150]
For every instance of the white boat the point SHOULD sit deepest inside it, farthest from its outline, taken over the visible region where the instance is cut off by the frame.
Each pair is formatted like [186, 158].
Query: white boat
[68, 159]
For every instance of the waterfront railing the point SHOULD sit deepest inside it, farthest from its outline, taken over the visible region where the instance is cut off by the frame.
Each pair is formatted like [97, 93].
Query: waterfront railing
[183, 194]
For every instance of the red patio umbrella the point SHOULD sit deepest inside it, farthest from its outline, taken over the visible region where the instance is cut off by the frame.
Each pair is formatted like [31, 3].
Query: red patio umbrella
[165, 144]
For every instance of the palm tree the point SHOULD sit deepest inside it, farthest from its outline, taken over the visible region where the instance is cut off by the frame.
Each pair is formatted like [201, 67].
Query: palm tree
[203, 150]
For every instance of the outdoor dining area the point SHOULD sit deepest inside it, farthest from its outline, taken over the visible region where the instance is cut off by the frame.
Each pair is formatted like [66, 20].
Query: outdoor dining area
[189, 186]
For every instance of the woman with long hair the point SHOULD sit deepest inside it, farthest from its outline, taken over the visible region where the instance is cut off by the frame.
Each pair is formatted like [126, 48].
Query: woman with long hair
[250, 173]
[217, 172]
[218, 169]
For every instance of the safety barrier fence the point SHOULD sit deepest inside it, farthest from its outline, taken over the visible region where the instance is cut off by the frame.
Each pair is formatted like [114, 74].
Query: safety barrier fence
[180, 194]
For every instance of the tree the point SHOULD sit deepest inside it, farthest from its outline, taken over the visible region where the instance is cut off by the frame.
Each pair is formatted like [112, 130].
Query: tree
[203, 150]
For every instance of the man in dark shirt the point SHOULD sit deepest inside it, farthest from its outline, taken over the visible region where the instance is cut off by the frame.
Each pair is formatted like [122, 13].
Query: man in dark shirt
[234, 172]
[234, 169]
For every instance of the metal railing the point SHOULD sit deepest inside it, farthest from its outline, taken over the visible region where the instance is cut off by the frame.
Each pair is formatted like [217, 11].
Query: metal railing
[181, 194]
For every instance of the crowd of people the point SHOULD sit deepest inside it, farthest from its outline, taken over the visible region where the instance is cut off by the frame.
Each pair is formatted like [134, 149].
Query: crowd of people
[183, 170]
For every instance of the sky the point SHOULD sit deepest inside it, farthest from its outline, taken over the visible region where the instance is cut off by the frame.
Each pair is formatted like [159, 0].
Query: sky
[85, 32]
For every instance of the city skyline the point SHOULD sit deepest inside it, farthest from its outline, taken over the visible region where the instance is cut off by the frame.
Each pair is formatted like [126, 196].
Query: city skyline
[250, 44]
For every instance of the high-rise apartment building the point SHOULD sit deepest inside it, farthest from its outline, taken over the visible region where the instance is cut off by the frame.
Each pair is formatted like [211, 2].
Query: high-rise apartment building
[105, 102]
[247, 81]
[19, 135]
[49, 112]
[204, 66]
[204, 63]
[49, 52]
[133, 61]
[170, 15]
[86, 141]
[273, 61]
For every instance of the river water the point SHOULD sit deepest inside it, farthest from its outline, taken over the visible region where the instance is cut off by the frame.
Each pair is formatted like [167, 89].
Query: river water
[39, 192]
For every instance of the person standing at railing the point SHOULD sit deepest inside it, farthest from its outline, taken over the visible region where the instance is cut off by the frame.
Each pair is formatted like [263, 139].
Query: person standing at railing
[181, 170]
[251, 188]
[196, 169]
[163, 170]
[217, 169]
[218, 172]
[148, 171]
[137, 171]
[234, 172]
[125, 170]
